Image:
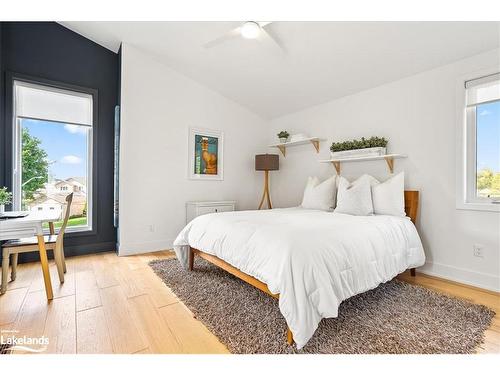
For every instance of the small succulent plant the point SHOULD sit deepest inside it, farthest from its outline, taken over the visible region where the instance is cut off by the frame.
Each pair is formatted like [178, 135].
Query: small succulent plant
[283, 134]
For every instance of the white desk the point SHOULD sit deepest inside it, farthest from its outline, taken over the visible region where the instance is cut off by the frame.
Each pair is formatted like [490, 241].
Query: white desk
[29, 226]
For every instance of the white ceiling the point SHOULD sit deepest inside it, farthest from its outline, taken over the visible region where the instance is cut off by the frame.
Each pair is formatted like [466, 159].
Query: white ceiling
[323, 60]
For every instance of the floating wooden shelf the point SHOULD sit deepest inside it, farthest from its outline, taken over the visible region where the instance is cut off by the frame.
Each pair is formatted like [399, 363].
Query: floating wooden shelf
[389, 158]
[282, 146]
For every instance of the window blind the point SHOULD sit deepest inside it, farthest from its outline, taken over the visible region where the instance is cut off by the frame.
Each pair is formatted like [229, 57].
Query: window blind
[52, 104]
[483, 90]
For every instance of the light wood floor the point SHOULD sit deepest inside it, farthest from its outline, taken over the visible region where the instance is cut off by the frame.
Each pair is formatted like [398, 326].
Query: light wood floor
[111, 304]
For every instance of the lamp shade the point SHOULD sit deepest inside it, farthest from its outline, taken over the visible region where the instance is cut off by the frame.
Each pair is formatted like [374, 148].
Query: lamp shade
[267, 162]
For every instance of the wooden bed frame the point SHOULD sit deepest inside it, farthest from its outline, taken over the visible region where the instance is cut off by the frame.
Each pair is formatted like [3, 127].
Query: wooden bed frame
[411, 209]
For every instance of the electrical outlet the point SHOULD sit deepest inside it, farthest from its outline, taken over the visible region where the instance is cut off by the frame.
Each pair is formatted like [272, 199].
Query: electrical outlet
[478, 250]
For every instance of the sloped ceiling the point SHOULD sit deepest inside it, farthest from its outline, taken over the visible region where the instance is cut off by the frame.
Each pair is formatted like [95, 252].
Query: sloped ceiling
[323, 60]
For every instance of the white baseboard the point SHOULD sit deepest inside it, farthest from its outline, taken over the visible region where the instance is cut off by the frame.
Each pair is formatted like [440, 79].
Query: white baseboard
[461, 275]
[134, 248]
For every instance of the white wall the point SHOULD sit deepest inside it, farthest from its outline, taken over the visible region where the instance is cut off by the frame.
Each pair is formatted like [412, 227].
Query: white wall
[158, 107]
[419, 117]
[418, 114]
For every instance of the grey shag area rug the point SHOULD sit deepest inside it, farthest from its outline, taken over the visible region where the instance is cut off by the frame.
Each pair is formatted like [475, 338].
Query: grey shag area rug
[396, 317]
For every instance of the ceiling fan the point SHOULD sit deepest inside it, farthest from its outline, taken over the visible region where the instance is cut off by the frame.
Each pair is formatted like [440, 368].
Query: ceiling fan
[249, 30]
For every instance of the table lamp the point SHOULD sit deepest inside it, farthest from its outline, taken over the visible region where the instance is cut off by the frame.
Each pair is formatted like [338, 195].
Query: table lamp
[266, 163]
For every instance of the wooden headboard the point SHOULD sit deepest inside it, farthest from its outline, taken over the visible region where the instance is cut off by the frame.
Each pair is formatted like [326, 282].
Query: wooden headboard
[411, 204]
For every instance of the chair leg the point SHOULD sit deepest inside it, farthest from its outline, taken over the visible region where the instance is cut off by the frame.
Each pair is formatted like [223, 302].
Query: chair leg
[63, 259]
[13, 273]
[5, 270]
[59, 263]
[44, 263]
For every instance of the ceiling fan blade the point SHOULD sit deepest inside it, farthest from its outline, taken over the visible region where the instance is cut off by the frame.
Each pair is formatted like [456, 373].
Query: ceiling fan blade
[235, 33]
[270, 42]
[263, 24]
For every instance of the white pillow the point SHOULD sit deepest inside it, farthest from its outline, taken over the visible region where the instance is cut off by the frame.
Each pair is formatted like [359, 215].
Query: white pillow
[389, 197]
[355, 198]
[312, 181]
[319, 196]
[366, 178]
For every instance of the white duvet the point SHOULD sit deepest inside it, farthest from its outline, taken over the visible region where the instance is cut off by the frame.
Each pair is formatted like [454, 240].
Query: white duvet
[313, 259]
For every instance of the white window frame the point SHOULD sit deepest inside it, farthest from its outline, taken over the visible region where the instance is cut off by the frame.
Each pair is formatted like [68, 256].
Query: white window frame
[17, 168]
[466, 177]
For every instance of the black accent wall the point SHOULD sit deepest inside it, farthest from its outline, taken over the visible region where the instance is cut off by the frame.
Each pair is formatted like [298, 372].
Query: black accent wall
[49, 52]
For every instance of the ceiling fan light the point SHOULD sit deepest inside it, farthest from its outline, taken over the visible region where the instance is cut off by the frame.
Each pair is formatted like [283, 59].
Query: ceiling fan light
[250, 30]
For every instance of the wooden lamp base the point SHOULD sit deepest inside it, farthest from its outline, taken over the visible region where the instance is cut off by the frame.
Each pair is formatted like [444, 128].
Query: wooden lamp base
[266, 192]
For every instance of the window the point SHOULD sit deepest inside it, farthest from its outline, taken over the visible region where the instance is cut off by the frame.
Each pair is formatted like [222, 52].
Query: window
[482, 141]
[52, 153]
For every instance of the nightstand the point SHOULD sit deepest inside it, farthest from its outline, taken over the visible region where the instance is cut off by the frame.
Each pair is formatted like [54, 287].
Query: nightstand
[194, 209]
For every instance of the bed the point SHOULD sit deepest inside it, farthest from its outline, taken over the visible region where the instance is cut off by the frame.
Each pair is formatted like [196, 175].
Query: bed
[310, 260]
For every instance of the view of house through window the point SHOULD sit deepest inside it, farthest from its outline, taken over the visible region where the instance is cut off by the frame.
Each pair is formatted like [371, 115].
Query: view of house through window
[53, 148]
[54, 164]
[488, 150]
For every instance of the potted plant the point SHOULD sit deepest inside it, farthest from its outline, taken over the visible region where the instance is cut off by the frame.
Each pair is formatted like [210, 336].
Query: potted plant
[374, 146]
[283, 136]
[5, 198]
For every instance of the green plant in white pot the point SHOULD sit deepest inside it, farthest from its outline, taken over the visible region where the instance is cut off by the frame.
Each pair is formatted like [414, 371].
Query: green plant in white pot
[283, 136]
[5, 198]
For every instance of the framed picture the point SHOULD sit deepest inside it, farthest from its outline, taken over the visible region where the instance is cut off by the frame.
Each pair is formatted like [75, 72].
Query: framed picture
[206, 154]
